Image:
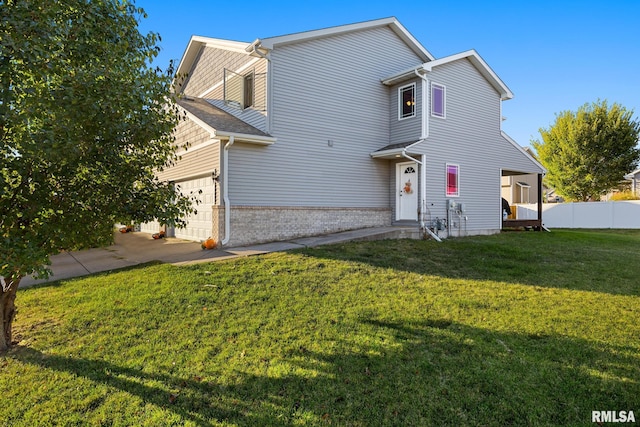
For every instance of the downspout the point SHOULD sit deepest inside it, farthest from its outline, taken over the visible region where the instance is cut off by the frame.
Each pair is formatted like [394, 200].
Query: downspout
[269, 83]
[423, 189]
[423, 161]
[425, 89]
[225, 191]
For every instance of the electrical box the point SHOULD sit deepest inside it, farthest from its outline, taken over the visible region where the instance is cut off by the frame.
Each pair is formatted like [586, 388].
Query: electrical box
[461, 207]
[451, 204]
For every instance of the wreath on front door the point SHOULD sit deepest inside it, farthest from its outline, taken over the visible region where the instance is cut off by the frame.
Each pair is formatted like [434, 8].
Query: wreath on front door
[407, 187]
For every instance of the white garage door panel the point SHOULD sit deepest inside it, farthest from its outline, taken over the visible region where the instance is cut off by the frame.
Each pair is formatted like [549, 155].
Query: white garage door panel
[199, 224]
[150, 227]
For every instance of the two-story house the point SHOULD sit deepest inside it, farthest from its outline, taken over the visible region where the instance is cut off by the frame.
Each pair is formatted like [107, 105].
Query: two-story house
[340, 128]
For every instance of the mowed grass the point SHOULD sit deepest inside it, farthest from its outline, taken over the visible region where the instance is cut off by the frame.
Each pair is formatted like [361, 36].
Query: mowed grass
[513, 329]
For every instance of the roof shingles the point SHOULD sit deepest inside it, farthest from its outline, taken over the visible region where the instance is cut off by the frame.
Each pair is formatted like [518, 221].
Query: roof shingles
[218, 119]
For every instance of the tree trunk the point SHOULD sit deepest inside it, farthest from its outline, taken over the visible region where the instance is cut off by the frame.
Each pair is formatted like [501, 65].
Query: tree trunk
[8, 309]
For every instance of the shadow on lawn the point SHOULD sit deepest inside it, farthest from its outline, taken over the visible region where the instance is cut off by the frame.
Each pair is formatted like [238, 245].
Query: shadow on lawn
[432, 372]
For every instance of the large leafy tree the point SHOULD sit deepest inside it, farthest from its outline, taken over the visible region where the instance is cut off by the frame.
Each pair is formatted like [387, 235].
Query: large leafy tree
[85, 120]
[588, 152]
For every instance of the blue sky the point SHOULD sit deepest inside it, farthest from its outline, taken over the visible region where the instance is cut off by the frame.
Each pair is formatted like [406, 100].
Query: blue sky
[553, 55]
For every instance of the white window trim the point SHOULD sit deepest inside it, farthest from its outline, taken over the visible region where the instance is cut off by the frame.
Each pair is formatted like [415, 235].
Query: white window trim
[446, 178]
[444, 101]
[415, 92]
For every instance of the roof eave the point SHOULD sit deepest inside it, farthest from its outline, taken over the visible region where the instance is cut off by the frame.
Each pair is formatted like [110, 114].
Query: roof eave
[404, 75]
[543, 170]
[271, 42]
[480, 64]
[239, 137]
[396, 152]
[387, 154]
[250, 139]
[198, 42]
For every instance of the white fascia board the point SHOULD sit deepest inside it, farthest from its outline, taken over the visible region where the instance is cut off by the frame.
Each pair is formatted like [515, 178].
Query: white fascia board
[239, 137]
[480, 64]
[523, 151]
[271, 42]
[197, 42]
[411, 41]
[402, 76]
[395, 152]
[200, 146]
[234, 46]
[632, 174]
[188, 57]
[251, 139]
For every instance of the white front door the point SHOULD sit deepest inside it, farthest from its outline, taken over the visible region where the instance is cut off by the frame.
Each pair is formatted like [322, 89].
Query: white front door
[407, 191]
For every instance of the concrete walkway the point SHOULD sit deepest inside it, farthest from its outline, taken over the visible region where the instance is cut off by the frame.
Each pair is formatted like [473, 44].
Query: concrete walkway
[137, 248]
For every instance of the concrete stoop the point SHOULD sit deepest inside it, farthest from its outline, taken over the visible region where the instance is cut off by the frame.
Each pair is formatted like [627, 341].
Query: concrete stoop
[395, 232]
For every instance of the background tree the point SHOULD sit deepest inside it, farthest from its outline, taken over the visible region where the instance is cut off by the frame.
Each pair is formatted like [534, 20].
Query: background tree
[588, 152]
[84, 123]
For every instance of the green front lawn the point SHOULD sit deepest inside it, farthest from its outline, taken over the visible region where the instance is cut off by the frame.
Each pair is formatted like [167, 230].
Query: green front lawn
[513, 329]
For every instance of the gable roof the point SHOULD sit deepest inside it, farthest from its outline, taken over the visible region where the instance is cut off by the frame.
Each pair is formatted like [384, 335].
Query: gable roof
[221, 124]
[394, 150]
[471, 55]
[391, 22]
[526, 151]
[632, 175]
[196, 43]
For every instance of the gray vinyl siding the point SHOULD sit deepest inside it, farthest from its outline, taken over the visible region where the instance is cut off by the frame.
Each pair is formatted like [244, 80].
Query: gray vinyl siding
[327, 89]
[194, 163]
[190, 133]
[256, 115]
[208, 69]
[470, 137]
[410, 129]
[198, 159]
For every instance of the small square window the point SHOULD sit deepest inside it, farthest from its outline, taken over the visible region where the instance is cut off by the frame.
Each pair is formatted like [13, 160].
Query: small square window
[407, 101]
[437, 100]
[453, 180]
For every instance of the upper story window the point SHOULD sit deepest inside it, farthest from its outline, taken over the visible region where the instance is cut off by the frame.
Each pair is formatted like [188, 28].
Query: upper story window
[407, 101]
[453, 180]
[438, 100]
[248, 90]
[239, 89]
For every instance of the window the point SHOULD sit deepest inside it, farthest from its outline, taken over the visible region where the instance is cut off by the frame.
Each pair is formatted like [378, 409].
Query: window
[407, 101]
[453, 180]
[238, 89]
[438, 107]
[248, 91]
[524, 191]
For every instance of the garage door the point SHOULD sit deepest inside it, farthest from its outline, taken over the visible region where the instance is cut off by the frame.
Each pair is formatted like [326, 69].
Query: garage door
[199, 225]
[150, 227]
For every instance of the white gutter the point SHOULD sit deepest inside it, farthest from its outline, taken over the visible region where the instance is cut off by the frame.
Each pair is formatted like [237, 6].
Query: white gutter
[225, 191]
[254, 48]
[425, 120]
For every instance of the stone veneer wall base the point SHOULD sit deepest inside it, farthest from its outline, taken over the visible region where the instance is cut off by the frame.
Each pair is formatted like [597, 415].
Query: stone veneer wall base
[260, 224]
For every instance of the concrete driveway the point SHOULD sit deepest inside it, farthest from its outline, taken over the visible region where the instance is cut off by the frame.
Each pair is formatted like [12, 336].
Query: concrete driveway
[137, 248]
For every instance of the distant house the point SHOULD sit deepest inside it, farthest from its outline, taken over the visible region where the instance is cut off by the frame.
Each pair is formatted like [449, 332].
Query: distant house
[341, 128]
[522, 189]
[634, 177]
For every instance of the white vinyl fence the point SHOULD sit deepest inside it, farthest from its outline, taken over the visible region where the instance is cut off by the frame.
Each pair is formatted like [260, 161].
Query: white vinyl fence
[622, 214]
